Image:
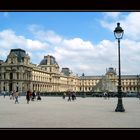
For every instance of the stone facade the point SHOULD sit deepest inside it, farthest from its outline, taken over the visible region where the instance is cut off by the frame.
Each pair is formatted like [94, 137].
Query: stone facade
[109, 82]
[17, 73]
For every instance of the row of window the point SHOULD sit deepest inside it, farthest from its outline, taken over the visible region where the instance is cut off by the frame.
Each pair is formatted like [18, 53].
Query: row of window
[25, 76]
[123, 88]
[89, 83]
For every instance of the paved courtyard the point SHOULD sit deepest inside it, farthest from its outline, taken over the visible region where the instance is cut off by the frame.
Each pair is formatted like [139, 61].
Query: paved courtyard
[54, 112]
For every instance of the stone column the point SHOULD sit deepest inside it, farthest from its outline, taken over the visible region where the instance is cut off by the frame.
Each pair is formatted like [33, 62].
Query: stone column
[20, 76]
[14, 85]
[1, 86]
[14, 75]
[20, 86]
[2, 75]
[7, 86]
[31, 86]
[6, 75]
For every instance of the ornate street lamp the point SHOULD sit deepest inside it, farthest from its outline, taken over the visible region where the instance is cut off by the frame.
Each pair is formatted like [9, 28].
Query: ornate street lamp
[118, 33]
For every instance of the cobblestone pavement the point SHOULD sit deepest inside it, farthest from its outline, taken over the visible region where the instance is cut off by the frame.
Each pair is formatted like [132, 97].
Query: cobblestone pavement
[55, 112]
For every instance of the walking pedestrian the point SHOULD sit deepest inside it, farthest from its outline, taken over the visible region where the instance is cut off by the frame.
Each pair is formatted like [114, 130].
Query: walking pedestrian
[13, 94]
[33, 95]
[64, 95]
[69, 96]
[16, 97]
[38, 96]
[4, 94]
[105, 95]
[73, 96]
[28, 94]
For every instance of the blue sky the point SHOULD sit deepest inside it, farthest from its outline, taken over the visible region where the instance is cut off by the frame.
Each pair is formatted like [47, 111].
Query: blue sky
[82, 41]
[68, 24]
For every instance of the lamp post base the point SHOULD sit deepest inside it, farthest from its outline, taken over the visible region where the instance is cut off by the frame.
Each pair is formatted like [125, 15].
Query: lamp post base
[119, 107]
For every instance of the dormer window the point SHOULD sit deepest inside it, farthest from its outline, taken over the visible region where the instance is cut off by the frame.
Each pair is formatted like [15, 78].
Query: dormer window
[12, 61]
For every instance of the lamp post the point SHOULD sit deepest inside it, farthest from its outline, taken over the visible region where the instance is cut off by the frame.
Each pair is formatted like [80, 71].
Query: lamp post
[118, 33]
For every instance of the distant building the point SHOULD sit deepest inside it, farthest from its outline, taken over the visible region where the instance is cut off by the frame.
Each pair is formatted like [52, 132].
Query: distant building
[109, 82]
[18, 73]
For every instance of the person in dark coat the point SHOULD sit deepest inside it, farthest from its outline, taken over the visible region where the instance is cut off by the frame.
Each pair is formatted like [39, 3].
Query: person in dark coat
[69, 96]
[38, 96]
[33, 95]
[28, 95]
[73, 96]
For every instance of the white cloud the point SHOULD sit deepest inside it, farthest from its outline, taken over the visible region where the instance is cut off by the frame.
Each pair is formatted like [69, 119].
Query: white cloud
[77, 43]
[78, 54]
[83, 56]
[9, 40]
[6, 14]
[95, 59]
[36, 45]
[112, 15]
[130, 44]
[49, 36]
[129, 22]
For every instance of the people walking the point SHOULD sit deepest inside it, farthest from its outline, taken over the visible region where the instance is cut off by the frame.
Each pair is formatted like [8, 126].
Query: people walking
[105, 95]
[69, 96]
[13, 94]
[64, 95]
[73, 97]
[38, 96]
[28, 95]
[33, 95]
[16, 97]
[4, 94]
[74, 94]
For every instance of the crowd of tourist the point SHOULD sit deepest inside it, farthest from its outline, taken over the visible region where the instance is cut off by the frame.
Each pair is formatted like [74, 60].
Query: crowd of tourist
[71, 95]
[30, 96]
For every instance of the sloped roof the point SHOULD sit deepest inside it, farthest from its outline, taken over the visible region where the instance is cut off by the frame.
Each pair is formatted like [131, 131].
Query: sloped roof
[45, 60]
[19, 53]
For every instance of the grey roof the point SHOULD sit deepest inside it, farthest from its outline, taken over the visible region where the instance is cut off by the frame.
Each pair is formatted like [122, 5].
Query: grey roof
[111, 70]
[19, 53]
[129, 77]
[45, 61]
[66, 71]
[90, 77]
[100, 77]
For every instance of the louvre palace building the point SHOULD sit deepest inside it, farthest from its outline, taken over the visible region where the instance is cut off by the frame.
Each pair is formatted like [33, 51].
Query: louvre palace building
[18, 73]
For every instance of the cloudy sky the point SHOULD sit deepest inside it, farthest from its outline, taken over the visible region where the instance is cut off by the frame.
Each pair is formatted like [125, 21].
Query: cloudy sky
[82, 41]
